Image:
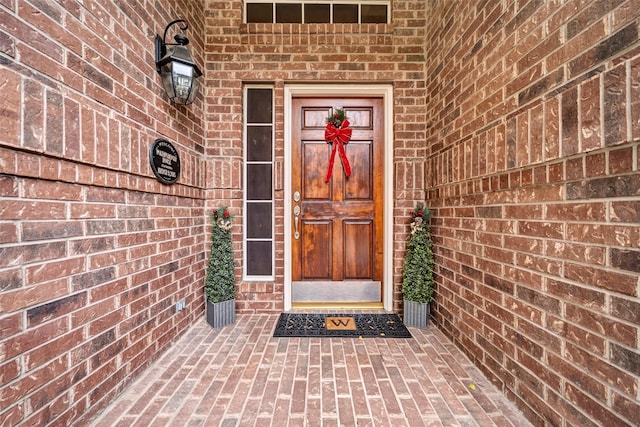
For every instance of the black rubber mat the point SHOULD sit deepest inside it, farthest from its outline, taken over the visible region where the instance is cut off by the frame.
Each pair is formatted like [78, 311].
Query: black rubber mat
[366, 325]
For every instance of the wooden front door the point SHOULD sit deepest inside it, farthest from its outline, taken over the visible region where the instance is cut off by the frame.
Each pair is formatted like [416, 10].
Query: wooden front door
[337, 238]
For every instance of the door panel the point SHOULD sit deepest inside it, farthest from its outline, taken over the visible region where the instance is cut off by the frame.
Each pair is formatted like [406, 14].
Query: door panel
[313, 186]
[339, 250]
[358, 241]
[359, 185]
[316, 239]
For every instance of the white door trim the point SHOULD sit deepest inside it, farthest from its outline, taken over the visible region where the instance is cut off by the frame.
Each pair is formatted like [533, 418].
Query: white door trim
[384, 91]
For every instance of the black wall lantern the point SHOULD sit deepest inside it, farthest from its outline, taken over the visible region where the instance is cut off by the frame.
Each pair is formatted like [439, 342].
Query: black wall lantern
[180, 74]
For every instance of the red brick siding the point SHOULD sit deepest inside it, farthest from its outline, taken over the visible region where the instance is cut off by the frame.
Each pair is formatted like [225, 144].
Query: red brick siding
[94, 251]
[279, 53]
[532, 171]
[525, 116]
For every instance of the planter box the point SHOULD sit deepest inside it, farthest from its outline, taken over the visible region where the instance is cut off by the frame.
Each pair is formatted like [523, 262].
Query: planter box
[221, 314]
[416, 314]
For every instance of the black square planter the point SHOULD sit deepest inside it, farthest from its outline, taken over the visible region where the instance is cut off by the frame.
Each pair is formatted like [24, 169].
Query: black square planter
[416, 314]
[221, 314]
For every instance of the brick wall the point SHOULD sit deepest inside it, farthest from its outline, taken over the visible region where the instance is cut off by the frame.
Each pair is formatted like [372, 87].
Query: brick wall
[240, 53]
[532, 169]
[526, 114]
[94, 251]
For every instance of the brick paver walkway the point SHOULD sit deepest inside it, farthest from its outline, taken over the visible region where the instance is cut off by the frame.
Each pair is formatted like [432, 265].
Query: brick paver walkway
[242, 376]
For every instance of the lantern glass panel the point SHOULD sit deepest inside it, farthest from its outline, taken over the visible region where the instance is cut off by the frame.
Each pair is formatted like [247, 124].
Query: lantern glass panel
[195, 88]
[167, 81]
[182, 80]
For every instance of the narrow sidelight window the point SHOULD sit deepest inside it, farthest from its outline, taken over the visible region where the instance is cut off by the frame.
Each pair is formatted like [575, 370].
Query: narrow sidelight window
[258, 179]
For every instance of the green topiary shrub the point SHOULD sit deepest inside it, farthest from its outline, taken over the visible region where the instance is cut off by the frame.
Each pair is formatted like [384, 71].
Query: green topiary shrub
[220, 280]
[417, 272]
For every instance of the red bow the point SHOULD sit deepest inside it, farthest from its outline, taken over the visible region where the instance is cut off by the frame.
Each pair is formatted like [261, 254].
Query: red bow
[339, 137]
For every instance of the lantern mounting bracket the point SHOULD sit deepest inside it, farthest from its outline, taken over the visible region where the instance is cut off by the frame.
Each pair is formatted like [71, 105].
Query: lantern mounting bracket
[161, 44]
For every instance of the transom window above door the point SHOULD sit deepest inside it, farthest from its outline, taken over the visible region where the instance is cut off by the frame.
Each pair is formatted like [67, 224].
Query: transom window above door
[317, 12]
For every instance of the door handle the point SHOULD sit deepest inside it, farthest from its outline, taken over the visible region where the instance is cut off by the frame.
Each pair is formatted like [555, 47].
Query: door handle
[296, 215]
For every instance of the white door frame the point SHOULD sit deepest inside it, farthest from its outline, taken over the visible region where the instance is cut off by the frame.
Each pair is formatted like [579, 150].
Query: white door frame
[384, 91]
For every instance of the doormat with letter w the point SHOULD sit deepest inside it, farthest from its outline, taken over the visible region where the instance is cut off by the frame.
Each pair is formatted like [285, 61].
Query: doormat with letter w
[341, 325]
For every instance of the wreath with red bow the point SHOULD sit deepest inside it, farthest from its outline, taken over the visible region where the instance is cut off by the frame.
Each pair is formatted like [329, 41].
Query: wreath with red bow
[338, 134]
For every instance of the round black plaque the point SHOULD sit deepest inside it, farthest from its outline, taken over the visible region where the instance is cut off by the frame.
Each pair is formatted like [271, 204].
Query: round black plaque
[165, 161]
